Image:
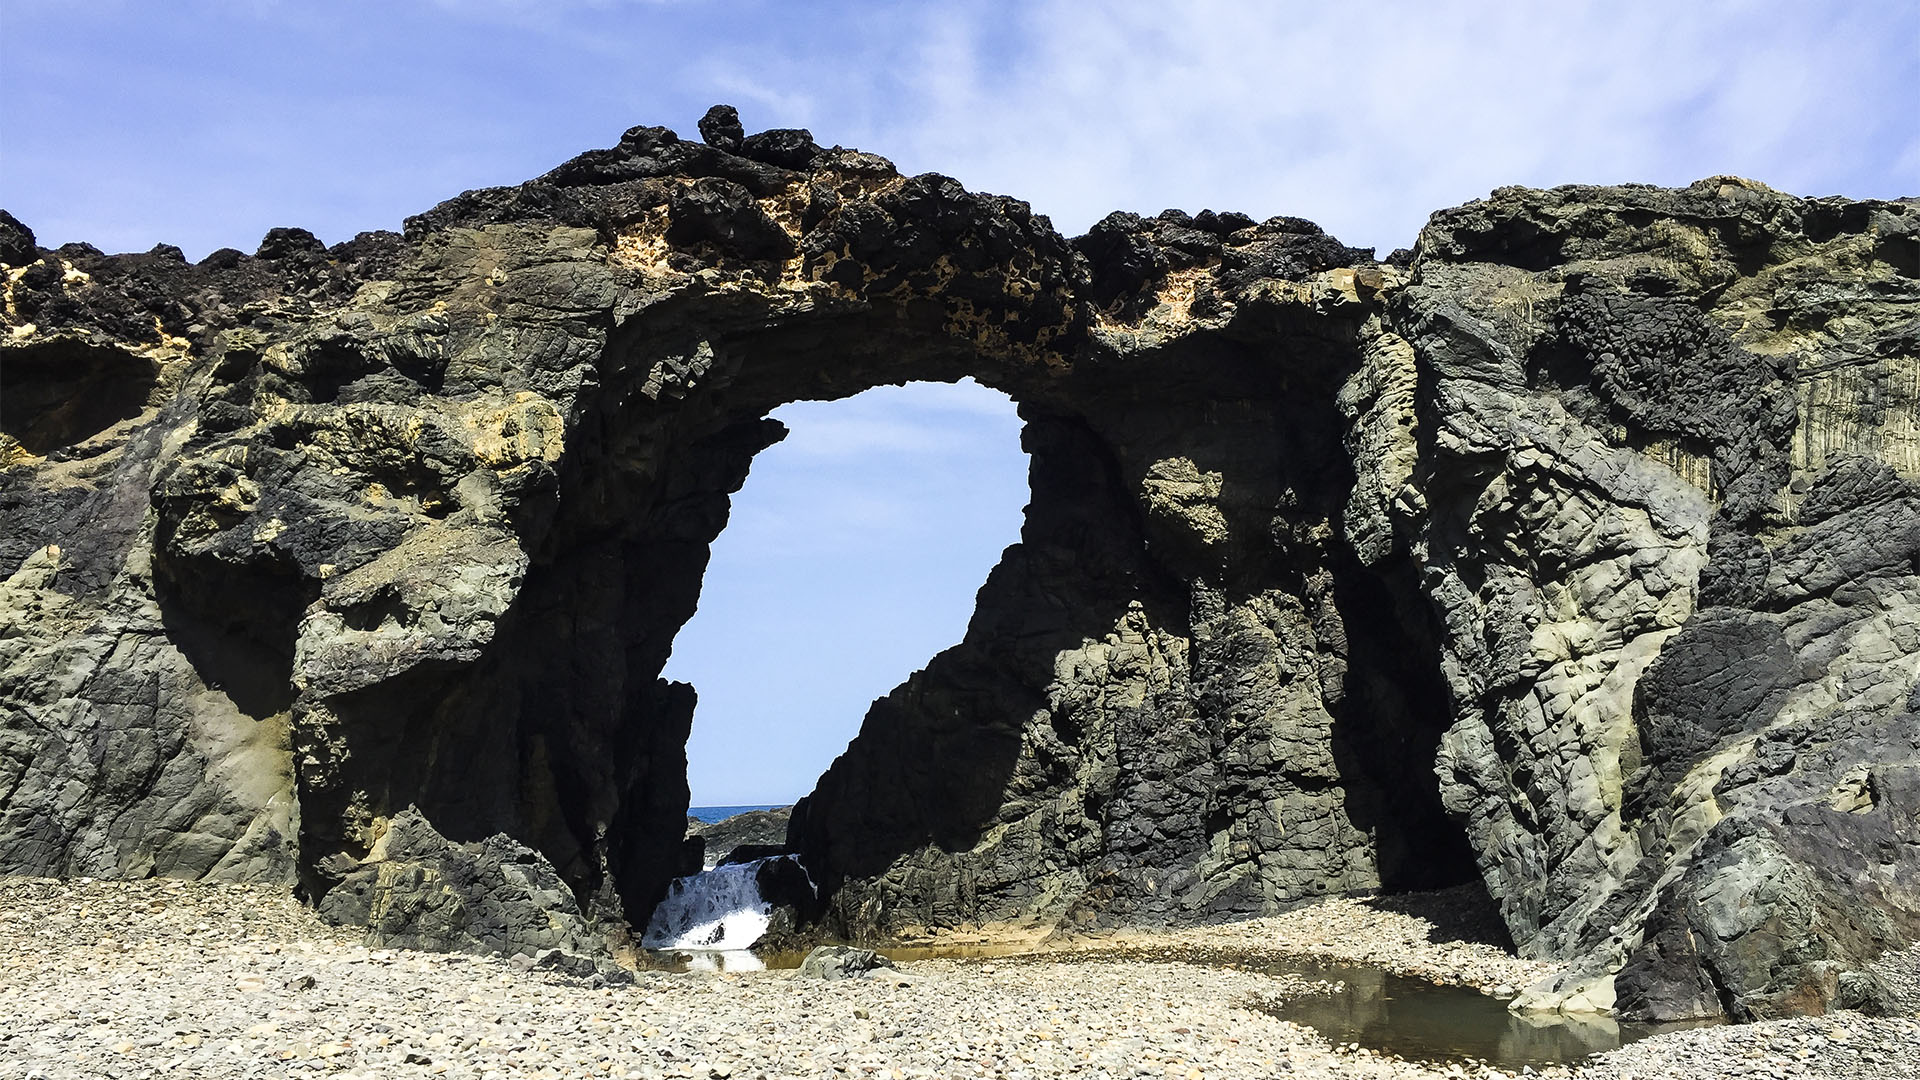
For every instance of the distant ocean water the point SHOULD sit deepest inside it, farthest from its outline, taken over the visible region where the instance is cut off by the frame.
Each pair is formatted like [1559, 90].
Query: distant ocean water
[711, 814]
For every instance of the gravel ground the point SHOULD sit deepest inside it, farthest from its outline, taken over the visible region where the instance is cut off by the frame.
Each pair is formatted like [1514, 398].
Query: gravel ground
[1844, 1046]
[1451, 937]
[139, 979]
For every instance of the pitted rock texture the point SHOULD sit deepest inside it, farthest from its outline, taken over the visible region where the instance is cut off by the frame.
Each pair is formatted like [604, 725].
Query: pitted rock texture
[1665, 524]
[1575, 551]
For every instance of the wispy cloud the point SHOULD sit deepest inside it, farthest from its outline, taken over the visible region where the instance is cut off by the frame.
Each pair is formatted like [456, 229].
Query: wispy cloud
[1364, 117]
[1368, 117]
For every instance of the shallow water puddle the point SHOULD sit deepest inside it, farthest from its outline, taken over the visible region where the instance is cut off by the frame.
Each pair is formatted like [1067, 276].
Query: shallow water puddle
[1423, 1021]
[1366, 1006]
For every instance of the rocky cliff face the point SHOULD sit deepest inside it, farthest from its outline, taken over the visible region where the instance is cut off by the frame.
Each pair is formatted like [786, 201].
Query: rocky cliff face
[1578, 552]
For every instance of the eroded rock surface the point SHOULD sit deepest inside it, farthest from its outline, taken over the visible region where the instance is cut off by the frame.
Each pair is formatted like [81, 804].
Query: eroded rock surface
[1579, 552]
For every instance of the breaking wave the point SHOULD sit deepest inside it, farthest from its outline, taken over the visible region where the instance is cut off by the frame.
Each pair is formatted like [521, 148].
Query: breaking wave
[719, 909]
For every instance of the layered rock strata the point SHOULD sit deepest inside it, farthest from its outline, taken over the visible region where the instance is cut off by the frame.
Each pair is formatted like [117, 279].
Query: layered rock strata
[1577, 550]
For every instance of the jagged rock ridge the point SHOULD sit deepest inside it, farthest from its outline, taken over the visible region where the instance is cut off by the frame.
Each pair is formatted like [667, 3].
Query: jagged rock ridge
[1576, 552]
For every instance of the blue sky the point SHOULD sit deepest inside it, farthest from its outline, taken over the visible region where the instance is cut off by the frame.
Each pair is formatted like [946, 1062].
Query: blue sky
[852, 556]
[204, 124]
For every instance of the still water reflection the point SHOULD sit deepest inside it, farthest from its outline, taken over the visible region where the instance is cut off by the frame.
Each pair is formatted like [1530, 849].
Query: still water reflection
[711, 960]
[1422, 1021]
[1370, 1007]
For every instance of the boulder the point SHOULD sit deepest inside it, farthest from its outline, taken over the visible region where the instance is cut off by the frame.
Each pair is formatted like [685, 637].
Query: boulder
[764, 831]
[418, 890]
[841, 962]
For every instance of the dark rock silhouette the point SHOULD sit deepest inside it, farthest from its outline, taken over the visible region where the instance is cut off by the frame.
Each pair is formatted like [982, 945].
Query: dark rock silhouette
[1577, 551]
[753, 834]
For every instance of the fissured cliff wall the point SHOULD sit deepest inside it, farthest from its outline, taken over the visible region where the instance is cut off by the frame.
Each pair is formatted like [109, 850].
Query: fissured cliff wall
[1575, 550]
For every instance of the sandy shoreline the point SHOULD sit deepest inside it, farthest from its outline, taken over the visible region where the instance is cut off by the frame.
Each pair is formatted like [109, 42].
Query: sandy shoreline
[137, 979]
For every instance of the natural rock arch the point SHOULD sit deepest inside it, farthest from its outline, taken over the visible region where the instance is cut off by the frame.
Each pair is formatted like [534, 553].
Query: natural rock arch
[1337, 574]
[679, 410]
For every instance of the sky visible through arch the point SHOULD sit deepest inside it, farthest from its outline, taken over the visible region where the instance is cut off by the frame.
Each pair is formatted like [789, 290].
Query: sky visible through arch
[203, 123]
[851, 557]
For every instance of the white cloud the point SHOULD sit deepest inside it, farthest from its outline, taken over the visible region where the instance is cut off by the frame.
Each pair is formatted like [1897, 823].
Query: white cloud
[1369, 117]
[1363, 117]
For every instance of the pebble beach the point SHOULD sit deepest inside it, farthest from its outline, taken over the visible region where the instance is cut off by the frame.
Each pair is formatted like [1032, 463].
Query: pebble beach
[165, 978]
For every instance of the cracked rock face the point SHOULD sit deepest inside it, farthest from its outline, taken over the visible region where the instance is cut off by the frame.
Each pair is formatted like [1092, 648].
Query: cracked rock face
[1579, 553]
[417, 890]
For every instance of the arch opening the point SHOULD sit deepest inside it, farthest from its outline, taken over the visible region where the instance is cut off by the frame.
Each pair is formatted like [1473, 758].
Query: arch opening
[1176, 698]
[851, 556]
[1159, 712]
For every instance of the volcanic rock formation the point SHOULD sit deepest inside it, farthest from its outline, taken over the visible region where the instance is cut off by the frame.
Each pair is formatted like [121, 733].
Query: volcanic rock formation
[1577, 551]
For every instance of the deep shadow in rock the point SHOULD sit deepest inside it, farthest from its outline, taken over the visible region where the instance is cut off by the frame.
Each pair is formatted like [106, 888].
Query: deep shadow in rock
[1388, 727]
[235, 623]
[1465, 912]
[64, 392]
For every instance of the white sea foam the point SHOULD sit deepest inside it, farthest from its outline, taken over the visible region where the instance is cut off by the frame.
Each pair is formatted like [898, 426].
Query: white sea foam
[719, 909]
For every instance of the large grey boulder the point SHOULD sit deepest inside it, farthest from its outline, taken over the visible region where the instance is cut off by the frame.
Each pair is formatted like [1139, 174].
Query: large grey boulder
[762, 832]
[418, 890]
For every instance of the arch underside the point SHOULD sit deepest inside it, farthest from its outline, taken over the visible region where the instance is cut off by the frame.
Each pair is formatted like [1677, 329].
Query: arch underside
[1336, 575]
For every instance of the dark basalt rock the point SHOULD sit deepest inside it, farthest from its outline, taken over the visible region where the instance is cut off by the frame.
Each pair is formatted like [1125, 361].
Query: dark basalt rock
[788, 148]
[725, 214]
[762, 831]
[16, 242]
[720, 128]
[1576, 551]
[1661, 366]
